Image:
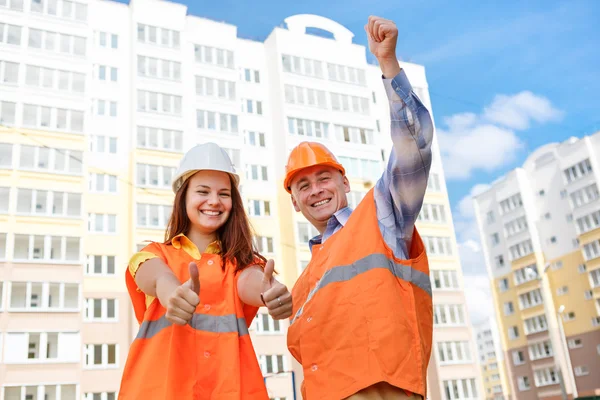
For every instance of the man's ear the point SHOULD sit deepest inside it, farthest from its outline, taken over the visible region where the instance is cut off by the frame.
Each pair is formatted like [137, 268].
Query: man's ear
[295, 203]
[346, 184]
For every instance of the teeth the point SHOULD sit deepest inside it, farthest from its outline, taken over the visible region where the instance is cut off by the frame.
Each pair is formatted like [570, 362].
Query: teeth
[207, 212]
[320, 203]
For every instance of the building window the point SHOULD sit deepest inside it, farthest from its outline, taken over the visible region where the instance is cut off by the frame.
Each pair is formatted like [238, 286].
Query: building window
[499, 259]
[216, 88]
[48, 203]
[46, 248]
[215, 121]
[42, 117]
[153, 215]
[578, 171]
[251, 75]
[530, 299]
[346, 103]
[306, 232]
[257, 172]
[302, 66]
[44, 296]
[518, 357]
[264, 324]
[158, 36]
[159, 139]
[575, 343]
[108, 40]
[503, 285]
[151, 67]
[41, 347]
[342, 73]
[103, 144]
[523, 383]
[9, 72]
[158, 176]
[57, 42]
[101, 355]
[454, 352]
[158, 102]
[545, 377]
[215, 56]
[460, 389]
[448, 315]
[540, 350]
[561, 291]
[105, 108]
[259, 208]
[438, 245]
[101, 310]
[102, 223]
[570, 316]
[54, 79]
[270, 364]
[252, 107]
[16, 5]
[303, 127]
[444, 279]
[584, 195]
[535, 324]
[256, 139]
[581, 370]
[264, 244]
[100, 396]
[305, 96]
[490, 217]
[511, 203]
[355, 135]
[100, 265]
[509, 308]
[102, 183]
[513, 332]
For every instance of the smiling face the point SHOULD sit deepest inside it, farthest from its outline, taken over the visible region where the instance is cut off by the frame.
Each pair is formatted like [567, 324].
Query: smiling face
[318, 192]
[208, 201]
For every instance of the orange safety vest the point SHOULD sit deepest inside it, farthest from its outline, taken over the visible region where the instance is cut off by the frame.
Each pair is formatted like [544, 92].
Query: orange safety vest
[362, 316]
[210, 358]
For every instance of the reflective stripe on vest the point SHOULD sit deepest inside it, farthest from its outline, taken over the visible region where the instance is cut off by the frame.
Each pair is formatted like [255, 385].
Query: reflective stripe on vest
[201, 322]
[370, 262]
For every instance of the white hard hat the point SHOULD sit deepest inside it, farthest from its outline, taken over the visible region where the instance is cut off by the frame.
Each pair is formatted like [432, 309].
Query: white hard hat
[205, 156]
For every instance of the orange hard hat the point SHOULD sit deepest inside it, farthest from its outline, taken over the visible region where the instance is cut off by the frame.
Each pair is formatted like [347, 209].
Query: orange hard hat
[308, 154]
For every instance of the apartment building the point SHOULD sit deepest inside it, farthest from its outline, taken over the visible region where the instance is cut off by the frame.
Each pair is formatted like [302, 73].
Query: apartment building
[491, 360]
[98, 102]
[539, 230]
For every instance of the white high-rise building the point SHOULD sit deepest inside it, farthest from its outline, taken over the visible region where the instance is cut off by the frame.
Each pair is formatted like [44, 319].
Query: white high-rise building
[540, 232]
[98, 102]
[491, 359]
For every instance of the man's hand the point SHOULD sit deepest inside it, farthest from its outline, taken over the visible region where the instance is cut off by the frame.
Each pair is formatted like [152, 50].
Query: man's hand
[275, 295]
[183, 300]
[383, 35]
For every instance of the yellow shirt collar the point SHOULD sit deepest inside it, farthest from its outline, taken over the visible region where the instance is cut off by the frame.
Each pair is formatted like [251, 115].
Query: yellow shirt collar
[182, 241]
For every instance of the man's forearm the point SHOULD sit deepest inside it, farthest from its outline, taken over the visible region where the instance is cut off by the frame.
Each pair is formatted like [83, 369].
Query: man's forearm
[389, 67]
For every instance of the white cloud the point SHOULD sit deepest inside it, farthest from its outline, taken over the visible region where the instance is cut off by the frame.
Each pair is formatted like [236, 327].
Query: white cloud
[476, 280]
[479, 298]
[488, 141]
[519, 110]
[465, 205]
[485, 146]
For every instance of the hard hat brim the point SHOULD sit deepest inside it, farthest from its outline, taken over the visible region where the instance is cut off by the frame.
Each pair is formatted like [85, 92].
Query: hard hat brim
[180, 180]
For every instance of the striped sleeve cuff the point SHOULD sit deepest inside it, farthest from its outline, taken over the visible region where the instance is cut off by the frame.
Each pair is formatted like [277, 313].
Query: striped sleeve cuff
[138, 259]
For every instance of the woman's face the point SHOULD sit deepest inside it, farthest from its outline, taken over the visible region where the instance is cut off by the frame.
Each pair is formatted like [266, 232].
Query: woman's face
[208, 200]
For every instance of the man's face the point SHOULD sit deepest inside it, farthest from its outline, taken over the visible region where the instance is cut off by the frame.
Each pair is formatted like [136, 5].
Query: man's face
[318, 192]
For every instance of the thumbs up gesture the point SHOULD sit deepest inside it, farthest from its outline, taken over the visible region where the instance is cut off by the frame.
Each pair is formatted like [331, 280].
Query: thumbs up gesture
[275, 295]
[184, 299]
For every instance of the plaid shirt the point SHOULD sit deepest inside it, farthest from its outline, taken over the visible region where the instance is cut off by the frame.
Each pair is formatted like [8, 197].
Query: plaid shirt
[400, 190]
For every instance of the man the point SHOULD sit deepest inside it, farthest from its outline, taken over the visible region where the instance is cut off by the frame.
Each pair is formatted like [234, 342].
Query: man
[362, 317]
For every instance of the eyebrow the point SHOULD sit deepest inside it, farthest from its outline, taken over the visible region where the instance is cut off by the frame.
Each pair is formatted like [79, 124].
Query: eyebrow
[208, 187]
[305, 179]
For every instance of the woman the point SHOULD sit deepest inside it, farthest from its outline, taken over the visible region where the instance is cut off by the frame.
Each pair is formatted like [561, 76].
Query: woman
[193, 341]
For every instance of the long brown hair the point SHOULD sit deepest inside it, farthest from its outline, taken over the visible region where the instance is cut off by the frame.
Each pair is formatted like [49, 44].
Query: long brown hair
[235, 235]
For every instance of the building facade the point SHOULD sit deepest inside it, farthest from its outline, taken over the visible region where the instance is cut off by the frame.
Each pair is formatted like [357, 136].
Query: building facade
[539, 230]
[491, 360]
[99, 101]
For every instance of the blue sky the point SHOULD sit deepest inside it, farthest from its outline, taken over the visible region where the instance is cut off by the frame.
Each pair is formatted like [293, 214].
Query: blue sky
[503, 79]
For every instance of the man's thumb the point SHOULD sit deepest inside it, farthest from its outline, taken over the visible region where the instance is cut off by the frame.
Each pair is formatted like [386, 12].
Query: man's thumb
[194, 278]
[268, 272]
